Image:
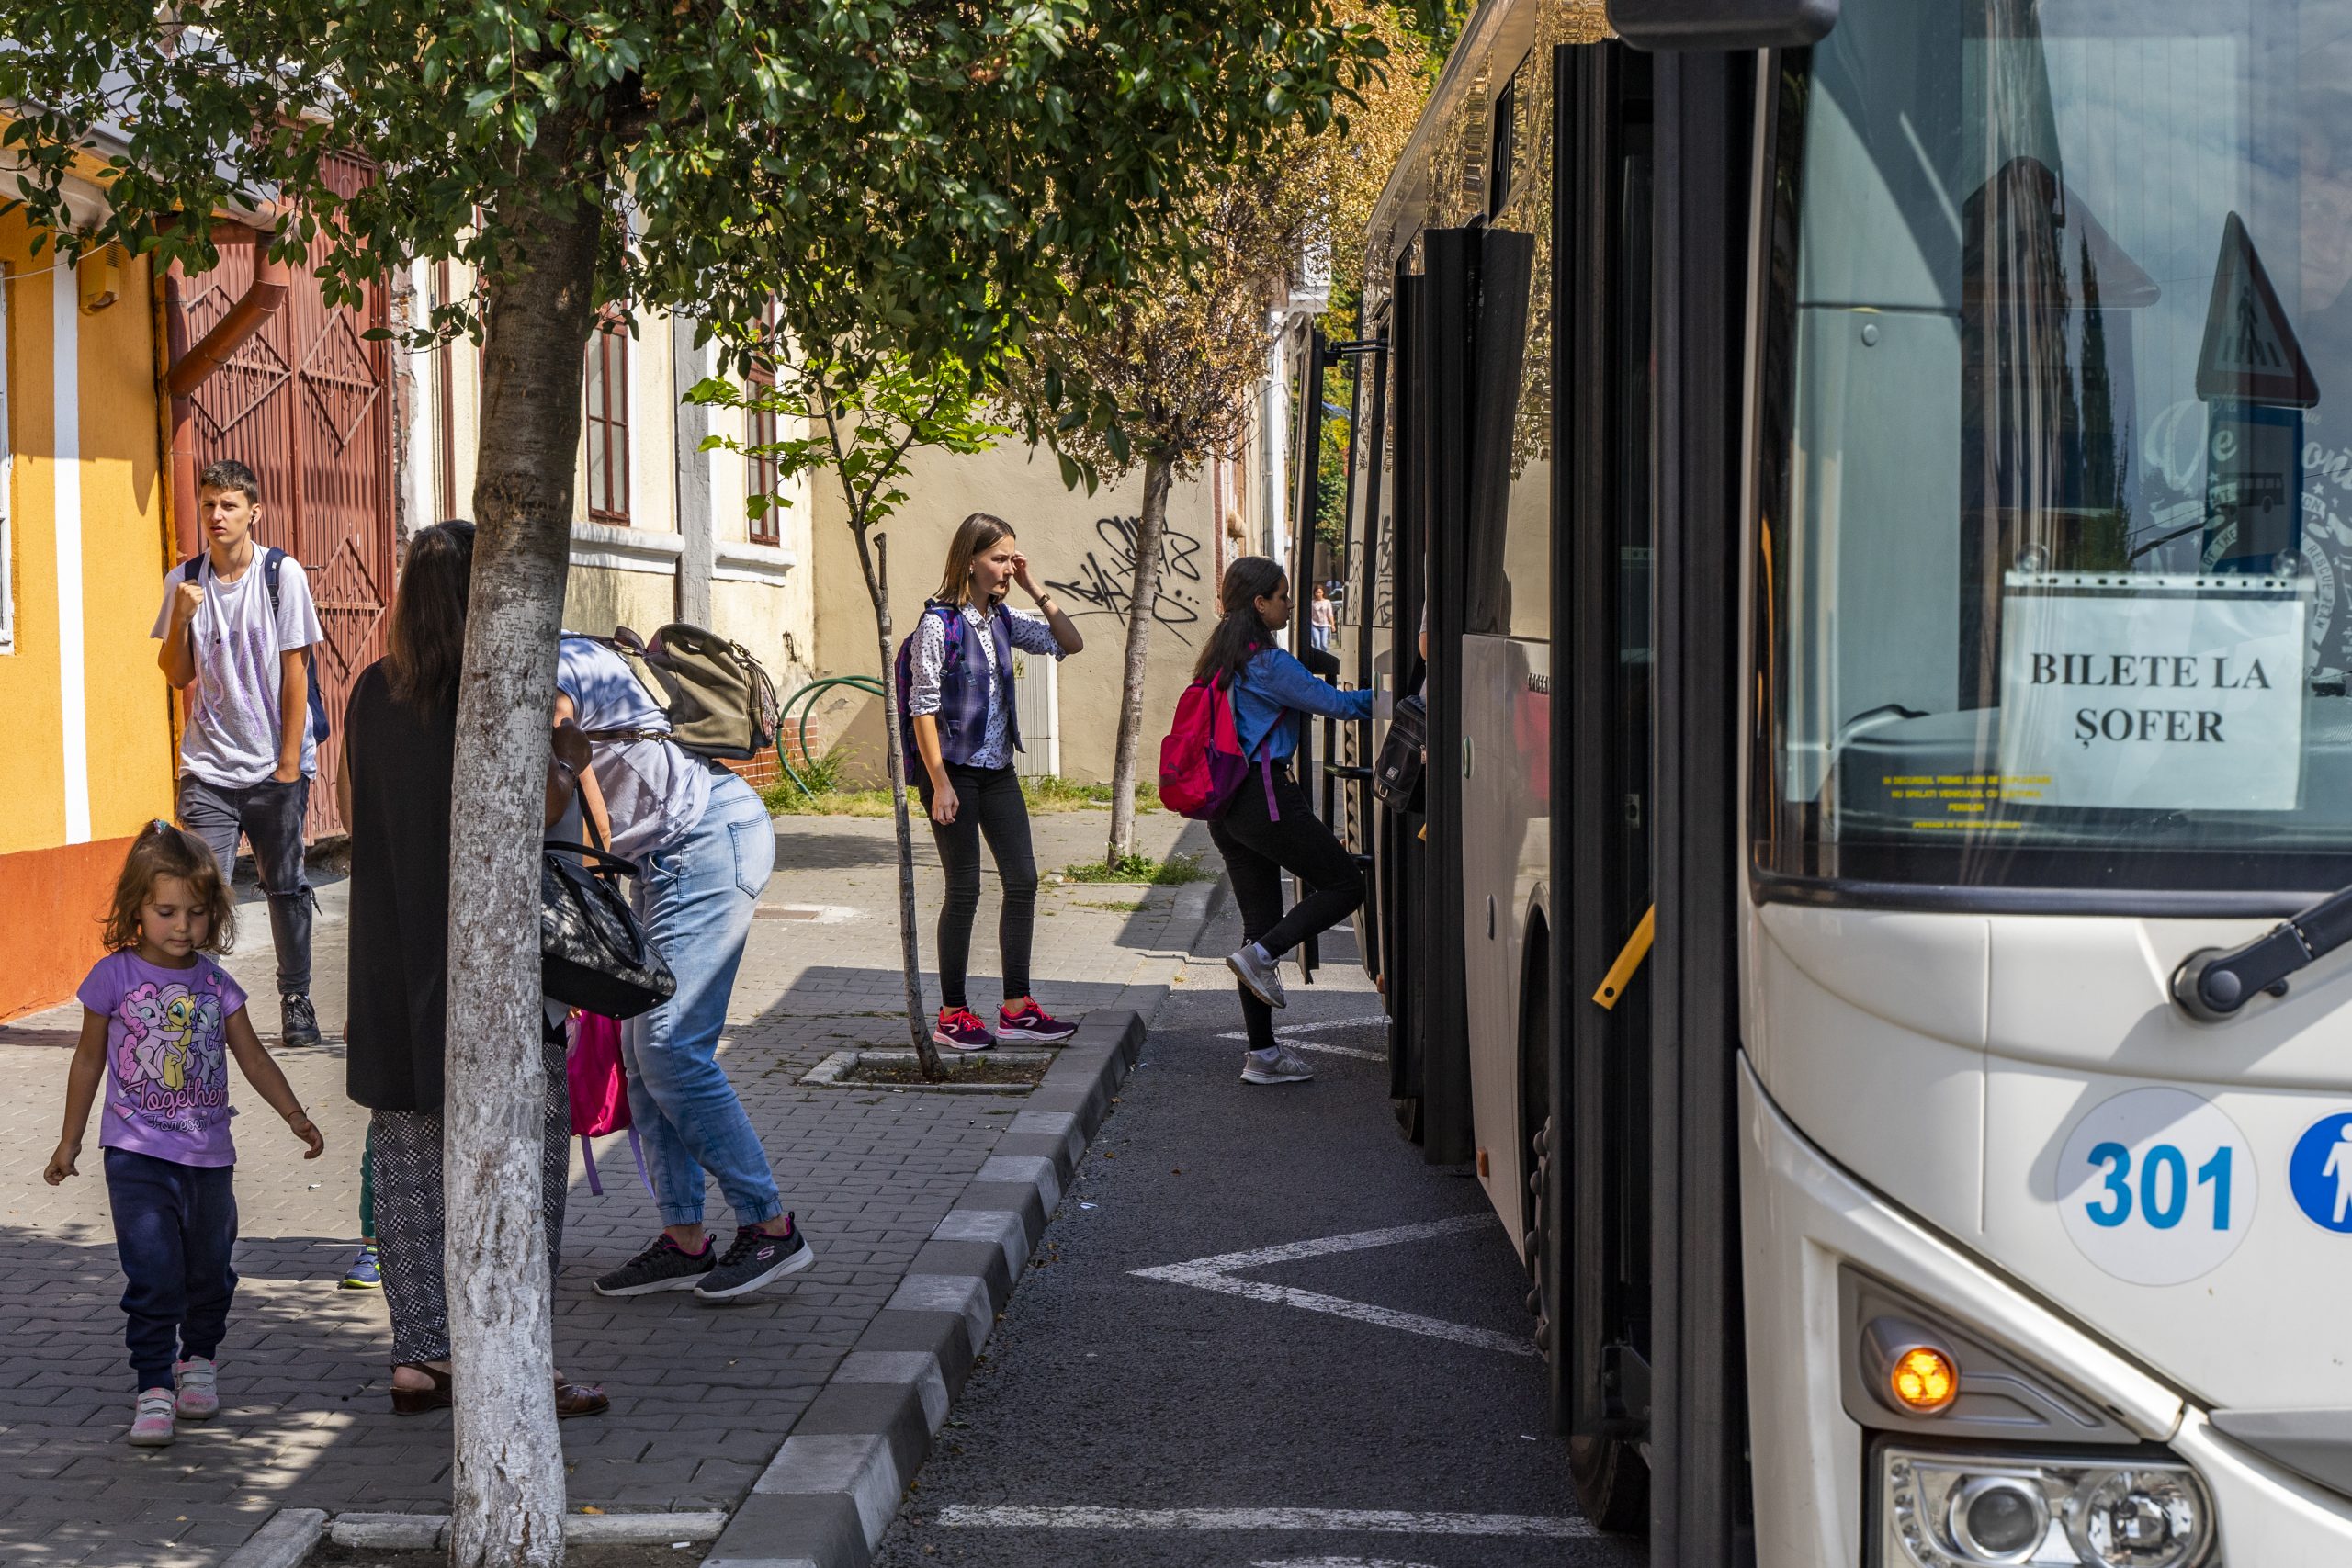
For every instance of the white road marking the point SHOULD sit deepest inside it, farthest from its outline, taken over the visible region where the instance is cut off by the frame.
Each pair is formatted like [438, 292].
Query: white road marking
[1217, 1274]
[1289, 1034]
[1385, 1521]
[1338, 1563]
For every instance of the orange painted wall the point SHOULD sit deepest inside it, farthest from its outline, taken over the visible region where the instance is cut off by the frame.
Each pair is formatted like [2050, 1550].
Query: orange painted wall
[50, 921]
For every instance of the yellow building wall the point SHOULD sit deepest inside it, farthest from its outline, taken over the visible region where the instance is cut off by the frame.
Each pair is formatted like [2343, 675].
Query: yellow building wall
[52, 891]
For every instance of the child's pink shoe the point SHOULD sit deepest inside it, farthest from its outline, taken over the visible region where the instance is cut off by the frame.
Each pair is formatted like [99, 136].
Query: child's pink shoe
[151, 1427]
[200, 1396]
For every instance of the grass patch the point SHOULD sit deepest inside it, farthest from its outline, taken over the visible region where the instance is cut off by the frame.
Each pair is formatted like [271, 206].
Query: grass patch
[1173, 871]
[1050, 792]
[1124, 905]
[830, 795]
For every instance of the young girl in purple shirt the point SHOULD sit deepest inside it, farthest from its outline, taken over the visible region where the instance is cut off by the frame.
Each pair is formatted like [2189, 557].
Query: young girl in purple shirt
[159, 1021]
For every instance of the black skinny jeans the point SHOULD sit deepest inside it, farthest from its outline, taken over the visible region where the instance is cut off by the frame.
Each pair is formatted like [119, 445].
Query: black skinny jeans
[1258, 848]
[989, 805]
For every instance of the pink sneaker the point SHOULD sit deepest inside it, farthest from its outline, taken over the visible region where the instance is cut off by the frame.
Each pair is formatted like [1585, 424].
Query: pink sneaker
[1032, 1022]
[200, 1396]
[150, 1425]
[960, 1029]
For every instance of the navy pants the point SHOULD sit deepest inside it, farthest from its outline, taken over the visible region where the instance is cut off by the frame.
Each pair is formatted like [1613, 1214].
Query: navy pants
[174, 1227]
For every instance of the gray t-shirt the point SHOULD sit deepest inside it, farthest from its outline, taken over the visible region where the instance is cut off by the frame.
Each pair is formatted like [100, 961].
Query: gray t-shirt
[653, 792]
[231, 741]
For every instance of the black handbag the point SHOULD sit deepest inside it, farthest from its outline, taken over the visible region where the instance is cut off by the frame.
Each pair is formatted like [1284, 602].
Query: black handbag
[1396, 771]
[592, 953]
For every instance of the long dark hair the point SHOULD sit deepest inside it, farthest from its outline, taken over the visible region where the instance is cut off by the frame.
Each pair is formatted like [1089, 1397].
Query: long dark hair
[977, 533]
[1240, 635]
[428, 632]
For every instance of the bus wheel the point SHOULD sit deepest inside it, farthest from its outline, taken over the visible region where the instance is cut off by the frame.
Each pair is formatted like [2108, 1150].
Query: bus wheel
[1611, 1482]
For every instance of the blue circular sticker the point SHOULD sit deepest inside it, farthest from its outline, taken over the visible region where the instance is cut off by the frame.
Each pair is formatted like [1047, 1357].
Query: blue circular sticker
[2320, 1173]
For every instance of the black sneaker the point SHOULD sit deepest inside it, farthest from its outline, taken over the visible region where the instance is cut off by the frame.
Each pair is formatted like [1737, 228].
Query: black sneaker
[664, 1266]
[300, 1024]
[755, 1259]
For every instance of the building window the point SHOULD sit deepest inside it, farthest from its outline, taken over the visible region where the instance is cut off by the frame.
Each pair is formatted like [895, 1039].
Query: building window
[760, 474]
[608, 422]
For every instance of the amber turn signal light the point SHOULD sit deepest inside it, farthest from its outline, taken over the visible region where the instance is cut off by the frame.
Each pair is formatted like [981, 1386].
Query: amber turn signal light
[1925, 1380]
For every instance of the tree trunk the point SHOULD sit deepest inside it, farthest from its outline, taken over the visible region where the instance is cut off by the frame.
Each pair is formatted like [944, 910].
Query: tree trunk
[1157, 476]
[508, 1494]
[876, 565]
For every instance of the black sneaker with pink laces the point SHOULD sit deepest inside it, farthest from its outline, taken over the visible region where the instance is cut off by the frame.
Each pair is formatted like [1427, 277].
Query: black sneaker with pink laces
[1032, 1022]
[960, 1029]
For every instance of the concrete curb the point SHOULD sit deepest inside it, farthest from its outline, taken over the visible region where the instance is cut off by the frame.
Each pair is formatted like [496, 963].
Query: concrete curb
[832, 1491]
[284, 1542]
[424, 1532]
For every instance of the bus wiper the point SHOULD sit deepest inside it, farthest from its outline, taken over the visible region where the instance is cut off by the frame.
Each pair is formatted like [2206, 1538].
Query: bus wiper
[2213, 983]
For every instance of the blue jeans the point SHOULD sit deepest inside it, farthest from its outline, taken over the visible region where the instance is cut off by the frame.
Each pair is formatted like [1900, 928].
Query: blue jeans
[174, 1227]
[695, 901]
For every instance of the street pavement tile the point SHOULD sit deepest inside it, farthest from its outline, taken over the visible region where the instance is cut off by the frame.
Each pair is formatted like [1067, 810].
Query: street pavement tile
[702, 1396]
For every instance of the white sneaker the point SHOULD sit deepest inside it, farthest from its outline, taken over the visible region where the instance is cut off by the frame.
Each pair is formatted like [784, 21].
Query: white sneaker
[199, 1396]
[1286, 1067]
[1262, 976]
[150, 1421]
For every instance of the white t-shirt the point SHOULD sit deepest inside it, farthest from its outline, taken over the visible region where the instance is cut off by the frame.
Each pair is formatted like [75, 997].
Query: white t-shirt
[231, 741]
[653, 792]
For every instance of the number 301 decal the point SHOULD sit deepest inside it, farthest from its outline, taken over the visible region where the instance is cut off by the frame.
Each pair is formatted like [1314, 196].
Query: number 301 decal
[2162, 1187]
[2156, 1186]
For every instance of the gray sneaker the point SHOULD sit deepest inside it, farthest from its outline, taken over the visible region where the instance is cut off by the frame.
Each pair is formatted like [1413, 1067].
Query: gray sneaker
[1260, 974]
[1286, 1067]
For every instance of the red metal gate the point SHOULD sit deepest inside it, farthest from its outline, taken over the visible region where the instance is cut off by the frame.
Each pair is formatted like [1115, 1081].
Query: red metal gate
[306, 402]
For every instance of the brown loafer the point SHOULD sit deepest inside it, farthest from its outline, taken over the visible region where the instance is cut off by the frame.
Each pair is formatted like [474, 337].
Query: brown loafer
[579, 1399]
[417, 1401]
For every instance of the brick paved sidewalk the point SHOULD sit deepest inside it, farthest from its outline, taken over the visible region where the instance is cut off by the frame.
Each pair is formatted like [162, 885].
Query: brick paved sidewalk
[702, 1395]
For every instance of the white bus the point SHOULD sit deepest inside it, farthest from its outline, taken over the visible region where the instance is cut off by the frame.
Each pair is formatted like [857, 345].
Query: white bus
[1879, 481]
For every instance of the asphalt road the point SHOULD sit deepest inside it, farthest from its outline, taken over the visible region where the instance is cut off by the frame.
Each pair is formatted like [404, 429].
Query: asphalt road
[1119, 1418]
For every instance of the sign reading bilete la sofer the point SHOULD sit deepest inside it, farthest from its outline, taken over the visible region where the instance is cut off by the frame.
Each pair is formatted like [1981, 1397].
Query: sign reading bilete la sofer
[2180, 693]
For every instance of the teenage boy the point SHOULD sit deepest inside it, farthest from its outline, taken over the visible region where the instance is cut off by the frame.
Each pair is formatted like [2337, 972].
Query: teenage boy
[239, 635]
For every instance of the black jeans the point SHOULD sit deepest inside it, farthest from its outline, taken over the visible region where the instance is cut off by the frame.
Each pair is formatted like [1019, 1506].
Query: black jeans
[1258, 846]
[174, 1227]
[989, 805]
[270, 814]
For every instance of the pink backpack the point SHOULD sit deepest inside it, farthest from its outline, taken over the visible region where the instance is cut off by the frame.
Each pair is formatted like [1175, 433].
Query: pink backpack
[1201, 764]
[599, 1092]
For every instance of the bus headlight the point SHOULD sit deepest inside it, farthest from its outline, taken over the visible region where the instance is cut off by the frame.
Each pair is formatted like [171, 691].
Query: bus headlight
[1940, 1508]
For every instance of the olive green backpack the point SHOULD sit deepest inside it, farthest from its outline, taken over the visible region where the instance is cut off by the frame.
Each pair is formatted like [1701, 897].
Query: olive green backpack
[720, 701]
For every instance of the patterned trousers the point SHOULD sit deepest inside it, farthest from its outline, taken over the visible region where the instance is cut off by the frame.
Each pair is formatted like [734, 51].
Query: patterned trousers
[409, 1215]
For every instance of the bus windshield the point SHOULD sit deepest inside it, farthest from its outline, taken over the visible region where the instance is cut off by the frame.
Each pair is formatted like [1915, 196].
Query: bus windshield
[2055, 560]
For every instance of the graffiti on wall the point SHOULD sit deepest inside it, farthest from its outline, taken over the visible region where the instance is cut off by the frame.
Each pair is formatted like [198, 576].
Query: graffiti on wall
[1106, 578]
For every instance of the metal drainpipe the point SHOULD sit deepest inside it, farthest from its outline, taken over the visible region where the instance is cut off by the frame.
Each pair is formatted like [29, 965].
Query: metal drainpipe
[191, 366]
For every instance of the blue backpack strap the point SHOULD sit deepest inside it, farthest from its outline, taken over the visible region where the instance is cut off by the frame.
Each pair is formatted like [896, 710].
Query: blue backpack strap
[192, 568]
[271, 558]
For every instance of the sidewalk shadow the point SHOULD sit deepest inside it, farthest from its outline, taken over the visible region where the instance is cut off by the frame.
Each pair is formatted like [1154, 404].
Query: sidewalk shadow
[800, 847]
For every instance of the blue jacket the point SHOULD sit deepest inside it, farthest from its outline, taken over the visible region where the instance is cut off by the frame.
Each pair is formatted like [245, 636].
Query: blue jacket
[1273, 690]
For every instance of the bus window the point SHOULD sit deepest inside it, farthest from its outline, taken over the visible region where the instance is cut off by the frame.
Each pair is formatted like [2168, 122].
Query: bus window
[2057, 557]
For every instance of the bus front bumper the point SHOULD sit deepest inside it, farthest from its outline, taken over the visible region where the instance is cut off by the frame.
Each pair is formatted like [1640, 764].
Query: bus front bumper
[1803, 1219]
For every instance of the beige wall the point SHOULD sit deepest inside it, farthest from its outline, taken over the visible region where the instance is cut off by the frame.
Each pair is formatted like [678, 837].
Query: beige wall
[1078, 544]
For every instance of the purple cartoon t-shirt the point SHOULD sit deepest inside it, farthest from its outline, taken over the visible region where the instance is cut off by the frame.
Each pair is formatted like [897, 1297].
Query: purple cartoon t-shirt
[167, 1057]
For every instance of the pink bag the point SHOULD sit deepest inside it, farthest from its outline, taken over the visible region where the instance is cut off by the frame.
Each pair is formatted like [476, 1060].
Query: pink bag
[599, 1092]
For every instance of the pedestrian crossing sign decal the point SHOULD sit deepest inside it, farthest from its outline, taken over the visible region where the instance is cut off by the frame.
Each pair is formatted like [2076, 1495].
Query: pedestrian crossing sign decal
[2251, 353]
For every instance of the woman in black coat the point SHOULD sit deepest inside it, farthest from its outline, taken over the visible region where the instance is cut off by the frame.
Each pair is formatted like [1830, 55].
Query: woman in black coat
[399, 740]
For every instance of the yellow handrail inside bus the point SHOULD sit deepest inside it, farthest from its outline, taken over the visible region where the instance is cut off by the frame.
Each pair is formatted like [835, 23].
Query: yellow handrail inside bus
[1629, 958]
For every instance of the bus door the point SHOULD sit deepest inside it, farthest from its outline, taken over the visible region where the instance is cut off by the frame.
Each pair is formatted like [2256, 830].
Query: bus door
[1367, 639]
[1309, 564]
[1401, 852]
[1601, 1348]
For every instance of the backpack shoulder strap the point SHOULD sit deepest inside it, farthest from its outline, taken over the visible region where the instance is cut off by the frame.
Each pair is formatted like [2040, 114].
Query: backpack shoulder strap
[272, 558]
[192, 568]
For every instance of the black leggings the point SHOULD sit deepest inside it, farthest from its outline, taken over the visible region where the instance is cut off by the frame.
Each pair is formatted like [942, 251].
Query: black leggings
[988, 803]
[1258, 848]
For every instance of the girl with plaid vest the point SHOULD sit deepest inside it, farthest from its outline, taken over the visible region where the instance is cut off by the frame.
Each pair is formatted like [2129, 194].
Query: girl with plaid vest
[965, 725]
